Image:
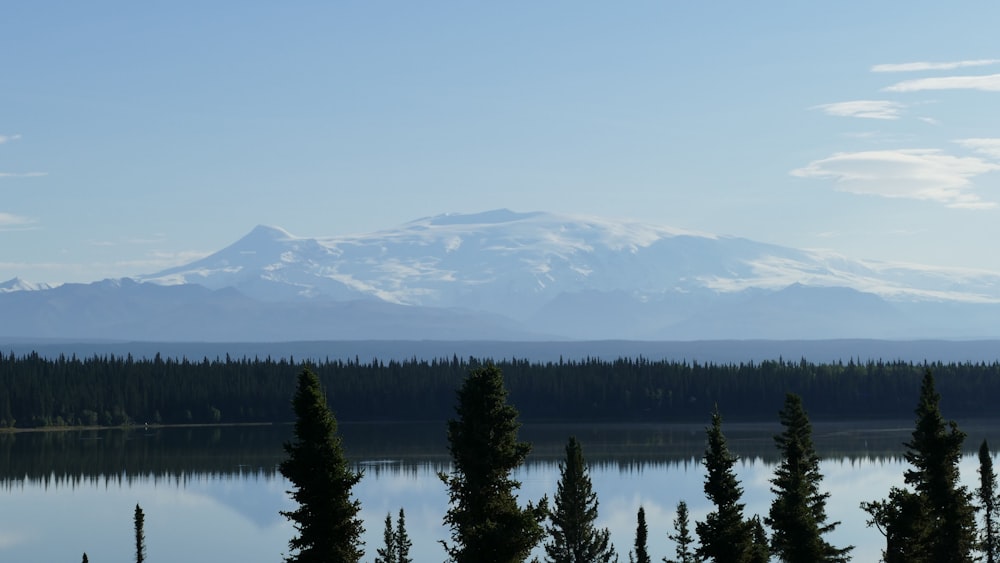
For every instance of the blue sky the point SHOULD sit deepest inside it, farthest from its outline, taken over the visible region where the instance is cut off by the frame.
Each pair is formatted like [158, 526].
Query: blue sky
[136, 136]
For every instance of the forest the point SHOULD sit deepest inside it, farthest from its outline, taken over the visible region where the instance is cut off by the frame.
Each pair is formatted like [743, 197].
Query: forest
[122, 390]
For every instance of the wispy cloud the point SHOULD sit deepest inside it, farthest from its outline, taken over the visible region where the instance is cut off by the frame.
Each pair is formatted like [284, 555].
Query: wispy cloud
[986, 147]
[922, 174]
[868, 109]
[919, 66]
[8, 138]
[10, 220]
[984, 82]
[22, 174]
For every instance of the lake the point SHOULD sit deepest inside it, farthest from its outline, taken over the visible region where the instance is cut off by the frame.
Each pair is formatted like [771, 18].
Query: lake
[214, 494]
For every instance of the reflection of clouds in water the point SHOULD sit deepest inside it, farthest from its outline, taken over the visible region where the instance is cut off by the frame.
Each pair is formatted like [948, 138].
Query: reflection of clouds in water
[229, 518]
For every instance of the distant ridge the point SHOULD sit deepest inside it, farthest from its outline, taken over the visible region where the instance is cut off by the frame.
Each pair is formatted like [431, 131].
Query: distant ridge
[702, 351]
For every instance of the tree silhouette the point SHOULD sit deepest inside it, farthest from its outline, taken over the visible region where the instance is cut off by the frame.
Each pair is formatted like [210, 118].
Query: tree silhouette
[327, 522]
[140, 535]
[573, 535]
[487, 525]
[798, 512]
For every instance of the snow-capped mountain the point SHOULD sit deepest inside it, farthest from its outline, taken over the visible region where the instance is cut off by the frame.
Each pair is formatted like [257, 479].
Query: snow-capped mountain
[17, 284]
[540, 275]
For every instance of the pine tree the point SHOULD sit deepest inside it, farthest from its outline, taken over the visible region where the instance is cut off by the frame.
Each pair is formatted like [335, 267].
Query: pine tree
[640, 554]
[574, 538]
[487, 525]
[85, 560]
[725, 535]
[327, 522]
[387, 553]
[682, 537]
[403, 543]
[140, 535]
[798, 512]
[988, 502]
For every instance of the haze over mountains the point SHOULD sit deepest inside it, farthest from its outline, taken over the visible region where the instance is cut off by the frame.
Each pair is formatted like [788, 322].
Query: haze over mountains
[502, 275]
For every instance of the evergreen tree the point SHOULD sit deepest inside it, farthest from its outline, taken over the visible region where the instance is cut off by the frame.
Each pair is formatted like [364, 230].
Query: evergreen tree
[140, 535]
[641, 553]
[682, 537]
[574, 538]
[760, 551]
[387, 553]
[403, 543]
[487, 525]
[988, 502]
[798, 512]
[85, 560]
[725, 535]
[935, 523]
[327, 522]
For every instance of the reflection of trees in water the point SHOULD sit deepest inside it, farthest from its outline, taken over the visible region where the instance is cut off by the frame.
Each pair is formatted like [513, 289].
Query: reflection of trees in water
[179, 455]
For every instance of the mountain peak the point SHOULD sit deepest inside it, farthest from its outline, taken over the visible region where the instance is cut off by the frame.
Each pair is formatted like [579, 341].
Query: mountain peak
[262, 233]
[493, 217]
[17, 284]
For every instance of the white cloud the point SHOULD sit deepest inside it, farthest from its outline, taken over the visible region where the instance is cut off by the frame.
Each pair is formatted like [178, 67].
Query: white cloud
[9, 220]
[869, 109]
[8, 138]
[918, 66]
[987, 147]
[922, 174]
[22, 174]
[984, 82]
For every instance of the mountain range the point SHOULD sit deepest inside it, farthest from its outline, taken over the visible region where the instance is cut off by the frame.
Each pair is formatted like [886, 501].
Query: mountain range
[503, 275]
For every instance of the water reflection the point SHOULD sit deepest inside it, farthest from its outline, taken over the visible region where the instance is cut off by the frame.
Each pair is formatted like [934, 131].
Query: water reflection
[215, 494]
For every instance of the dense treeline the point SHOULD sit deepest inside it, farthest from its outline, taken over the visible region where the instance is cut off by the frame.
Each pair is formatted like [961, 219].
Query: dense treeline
[109, 390]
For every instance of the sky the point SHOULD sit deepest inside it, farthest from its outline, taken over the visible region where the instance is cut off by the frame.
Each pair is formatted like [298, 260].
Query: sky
[135, 136]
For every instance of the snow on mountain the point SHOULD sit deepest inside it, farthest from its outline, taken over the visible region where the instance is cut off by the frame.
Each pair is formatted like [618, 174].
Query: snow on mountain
[515, 263]
[17, 284]
[514, 276]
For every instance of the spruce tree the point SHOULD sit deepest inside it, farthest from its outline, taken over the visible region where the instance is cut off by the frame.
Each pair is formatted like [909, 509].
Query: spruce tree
[329, 528]
[987, 493]
[573, 535]
[387, 553]
[935, 522]
[798, 512]
[85, 560]
[934, 452]
[682, 538]
[760, 551]
[487, 524]
[640, 554]
[725, 536]
[403, 543]
[140, 535]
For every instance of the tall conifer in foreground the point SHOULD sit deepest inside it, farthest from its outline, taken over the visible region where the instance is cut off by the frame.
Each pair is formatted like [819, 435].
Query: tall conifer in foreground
[387, 553]
[140, 535]
[988, 503]
[403, 543]
[573, 535]
[798, 512]
[327, 522]
[487, 525]
[935, 522]
[682, 538]
[640, 553]
[725, 536]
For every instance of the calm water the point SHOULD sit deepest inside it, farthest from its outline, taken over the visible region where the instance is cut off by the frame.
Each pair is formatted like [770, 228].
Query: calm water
[213, 494]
